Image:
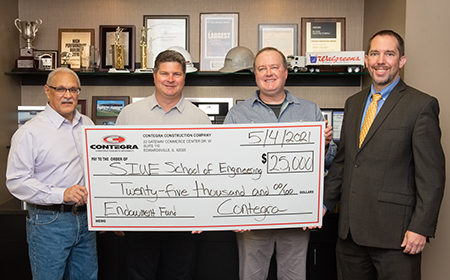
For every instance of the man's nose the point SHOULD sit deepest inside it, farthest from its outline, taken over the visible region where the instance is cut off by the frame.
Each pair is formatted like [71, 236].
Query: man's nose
[67, 94]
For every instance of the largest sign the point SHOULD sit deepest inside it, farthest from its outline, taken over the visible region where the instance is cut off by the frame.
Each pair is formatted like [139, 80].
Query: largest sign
[182, 178]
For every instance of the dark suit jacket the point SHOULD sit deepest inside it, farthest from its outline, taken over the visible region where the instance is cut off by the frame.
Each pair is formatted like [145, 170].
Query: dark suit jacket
[395, 181]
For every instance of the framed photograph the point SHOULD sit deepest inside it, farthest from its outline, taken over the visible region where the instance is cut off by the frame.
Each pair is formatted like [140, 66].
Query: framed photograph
[323, 35]
[284, 37]
[81, 106]
[215, 108]
[46, 60]
[327, 115]
[334, 116]
[337, 119]
[105, 109]
[108, 39]
[71, 41]
[164, 32]
[218, 34]
[26, 113]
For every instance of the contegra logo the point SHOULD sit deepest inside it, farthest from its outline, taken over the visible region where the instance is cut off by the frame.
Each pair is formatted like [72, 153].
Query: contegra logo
[113, 139]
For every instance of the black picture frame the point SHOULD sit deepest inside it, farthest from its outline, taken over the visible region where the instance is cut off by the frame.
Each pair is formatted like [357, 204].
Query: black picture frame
[105, 116]
[105, 47]
[81, 106]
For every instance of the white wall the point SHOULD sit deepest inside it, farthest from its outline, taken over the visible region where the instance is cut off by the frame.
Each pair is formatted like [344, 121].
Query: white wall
[427, 43]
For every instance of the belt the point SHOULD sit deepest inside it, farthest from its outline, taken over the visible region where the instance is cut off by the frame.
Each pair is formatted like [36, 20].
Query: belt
[75, 209]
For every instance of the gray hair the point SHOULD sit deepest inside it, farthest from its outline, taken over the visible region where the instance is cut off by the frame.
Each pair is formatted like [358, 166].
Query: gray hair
[62, 70]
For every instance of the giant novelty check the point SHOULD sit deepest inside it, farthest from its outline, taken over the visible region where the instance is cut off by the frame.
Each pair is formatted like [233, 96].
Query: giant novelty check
[183, 178]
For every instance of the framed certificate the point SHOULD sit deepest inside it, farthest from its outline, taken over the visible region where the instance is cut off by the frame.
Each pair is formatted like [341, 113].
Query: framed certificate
[323, 35]
[218, 34]
[71, 41]
[164, 32]
[284, 37]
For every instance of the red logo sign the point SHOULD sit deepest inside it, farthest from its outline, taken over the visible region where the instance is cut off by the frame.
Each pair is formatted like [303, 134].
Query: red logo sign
[113, 139]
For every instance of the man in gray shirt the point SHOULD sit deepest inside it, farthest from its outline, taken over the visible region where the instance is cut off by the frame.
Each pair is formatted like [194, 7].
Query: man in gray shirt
[273, 104]
[166, 106]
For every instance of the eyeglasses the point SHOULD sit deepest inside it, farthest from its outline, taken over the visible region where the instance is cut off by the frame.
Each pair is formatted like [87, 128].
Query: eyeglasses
[62, 90]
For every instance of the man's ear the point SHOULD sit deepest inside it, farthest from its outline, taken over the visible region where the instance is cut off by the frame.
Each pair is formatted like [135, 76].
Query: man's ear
[47, 91]
[402, 61]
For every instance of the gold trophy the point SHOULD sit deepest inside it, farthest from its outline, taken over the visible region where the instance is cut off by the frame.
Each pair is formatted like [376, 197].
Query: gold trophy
[28, 29]
[143, 45]
[118, 53]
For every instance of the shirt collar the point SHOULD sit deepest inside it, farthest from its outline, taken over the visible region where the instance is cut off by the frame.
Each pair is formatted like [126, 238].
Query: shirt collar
[385, 92]
[289, 98]
[58, 120]
[179, 106]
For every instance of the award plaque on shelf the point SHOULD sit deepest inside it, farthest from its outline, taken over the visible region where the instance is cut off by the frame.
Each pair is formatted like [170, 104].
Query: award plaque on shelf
[25, 63]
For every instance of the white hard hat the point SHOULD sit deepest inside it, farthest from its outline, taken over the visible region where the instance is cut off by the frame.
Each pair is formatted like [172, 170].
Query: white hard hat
[238, 58]
[189, 64]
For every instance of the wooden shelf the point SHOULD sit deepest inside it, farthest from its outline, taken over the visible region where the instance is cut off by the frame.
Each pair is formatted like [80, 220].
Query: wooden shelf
[33, 78]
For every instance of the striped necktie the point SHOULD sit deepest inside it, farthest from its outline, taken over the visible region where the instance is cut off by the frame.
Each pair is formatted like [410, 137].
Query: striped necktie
[370, 116]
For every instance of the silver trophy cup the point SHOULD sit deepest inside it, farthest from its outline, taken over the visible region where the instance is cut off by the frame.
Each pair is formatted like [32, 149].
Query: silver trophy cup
[28, 30]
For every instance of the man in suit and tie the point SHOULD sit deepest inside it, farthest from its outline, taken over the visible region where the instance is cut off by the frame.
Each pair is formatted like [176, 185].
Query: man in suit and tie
[389, 172]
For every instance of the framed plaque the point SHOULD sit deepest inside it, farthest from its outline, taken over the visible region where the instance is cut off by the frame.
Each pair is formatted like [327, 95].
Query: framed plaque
[164, 32]
[107, 38]
[105, 109]
[323, 35]
[218, 34]
[284, 37]
[71, 41]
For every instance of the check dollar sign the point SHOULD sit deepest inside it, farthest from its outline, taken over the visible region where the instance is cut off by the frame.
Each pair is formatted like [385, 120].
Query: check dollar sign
[264, 158]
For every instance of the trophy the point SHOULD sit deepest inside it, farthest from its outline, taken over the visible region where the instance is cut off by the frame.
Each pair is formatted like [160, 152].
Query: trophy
[65, 57]
[89, 58]
[118, 50]
[28, 30]
[143, 45]
[94, 58]
[85, 59]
